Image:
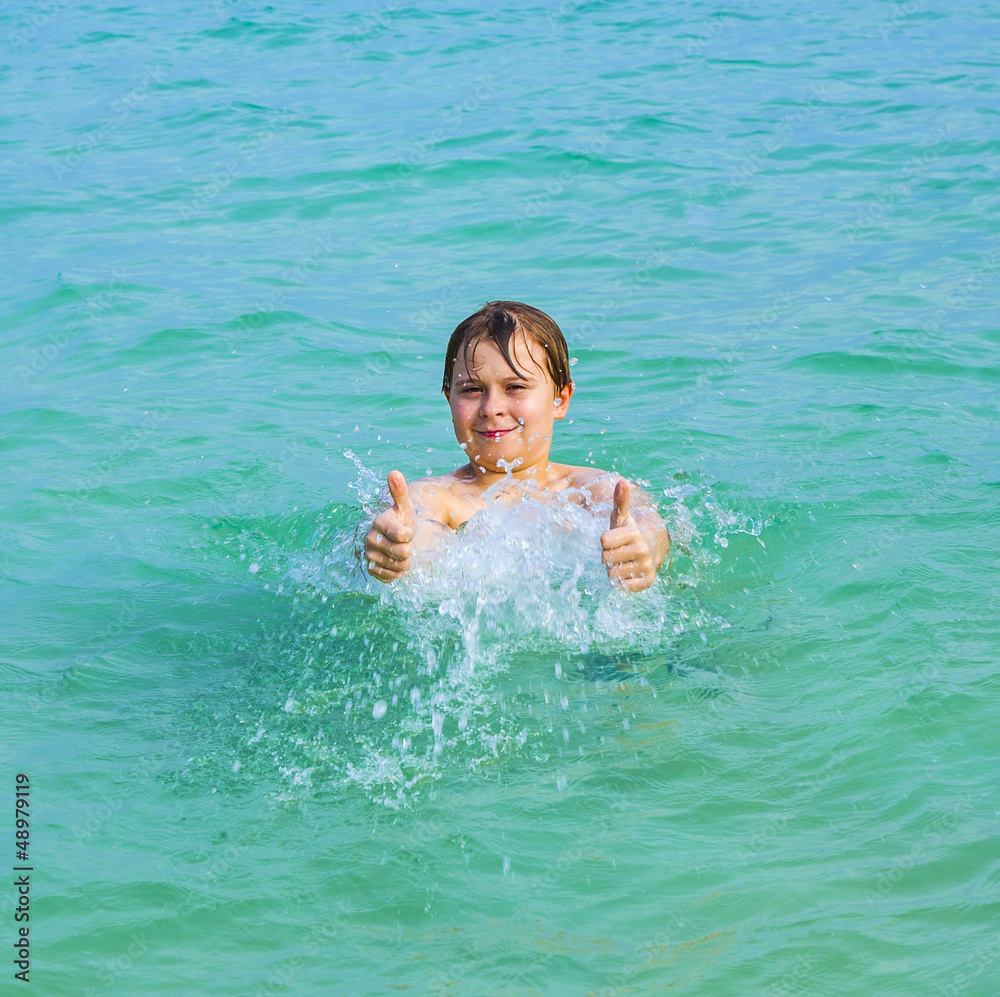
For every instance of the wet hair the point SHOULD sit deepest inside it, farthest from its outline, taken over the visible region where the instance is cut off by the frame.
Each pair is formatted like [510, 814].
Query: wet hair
[498, 321]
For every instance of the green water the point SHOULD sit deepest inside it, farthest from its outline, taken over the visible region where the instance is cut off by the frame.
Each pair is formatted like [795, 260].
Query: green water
[235, 240]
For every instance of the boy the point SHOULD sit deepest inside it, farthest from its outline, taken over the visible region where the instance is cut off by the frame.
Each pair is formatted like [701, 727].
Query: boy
[506, 378]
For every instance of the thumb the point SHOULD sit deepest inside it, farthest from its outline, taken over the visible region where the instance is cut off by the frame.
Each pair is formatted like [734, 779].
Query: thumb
[401, 496]
[620, 513]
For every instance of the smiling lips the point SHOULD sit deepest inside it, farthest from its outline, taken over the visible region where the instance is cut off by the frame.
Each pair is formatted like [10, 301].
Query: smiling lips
[494, 434]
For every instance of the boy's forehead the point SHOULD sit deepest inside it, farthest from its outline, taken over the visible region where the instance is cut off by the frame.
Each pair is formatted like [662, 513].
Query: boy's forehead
[482, 356]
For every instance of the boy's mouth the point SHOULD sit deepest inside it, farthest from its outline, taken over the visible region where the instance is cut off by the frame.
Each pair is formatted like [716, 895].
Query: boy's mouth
[492, 434]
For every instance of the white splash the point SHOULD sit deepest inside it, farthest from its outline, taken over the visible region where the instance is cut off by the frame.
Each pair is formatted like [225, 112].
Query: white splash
[411, 678]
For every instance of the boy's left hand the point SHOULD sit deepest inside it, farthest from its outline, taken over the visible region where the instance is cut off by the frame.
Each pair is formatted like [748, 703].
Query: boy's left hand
[626, 553]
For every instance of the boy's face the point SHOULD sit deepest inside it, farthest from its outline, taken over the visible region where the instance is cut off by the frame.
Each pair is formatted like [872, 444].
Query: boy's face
[498, 414]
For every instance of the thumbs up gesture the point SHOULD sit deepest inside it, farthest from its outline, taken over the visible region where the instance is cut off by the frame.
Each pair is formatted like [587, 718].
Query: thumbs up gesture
[626, 553]
[389, 542]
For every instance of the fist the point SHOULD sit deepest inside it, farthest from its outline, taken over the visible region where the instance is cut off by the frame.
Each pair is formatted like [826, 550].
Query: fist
[626, 553]
[389, 543]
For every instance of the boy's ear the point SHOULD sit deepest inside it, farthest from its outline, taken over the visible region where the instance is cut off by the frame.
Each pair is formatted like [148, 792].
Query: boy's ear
[562, 402]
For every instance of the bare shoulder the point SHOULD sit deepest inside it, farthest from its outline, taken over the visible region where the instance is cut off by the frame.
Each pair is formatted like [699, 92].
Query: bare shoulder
[442, 498]
[600, 485]
[428, 487]
[582, 476]
[428, 493]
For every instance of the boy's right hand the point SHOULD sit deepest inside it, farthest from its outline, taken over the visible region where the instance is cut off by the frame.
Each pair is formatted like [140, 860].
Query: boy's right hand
[389, 543]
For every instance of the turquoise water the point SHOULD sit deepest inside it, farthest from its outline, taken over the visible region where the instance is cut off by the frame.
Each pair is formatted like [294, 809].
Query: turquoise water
[235, 240]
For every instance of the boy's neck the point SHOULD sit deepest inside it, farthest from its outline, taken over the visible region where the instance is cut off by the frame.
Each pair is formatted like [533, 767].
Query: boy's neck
[541, 473]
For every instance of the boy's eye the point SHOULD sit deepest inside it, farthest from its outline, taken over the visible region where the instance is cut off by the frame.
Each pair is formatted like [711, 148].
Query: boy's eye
[472, 389]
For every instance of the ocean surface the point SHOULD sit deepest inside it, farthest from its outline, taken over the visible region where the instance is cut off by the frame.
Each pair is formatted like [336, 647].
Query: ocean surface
[235, 238]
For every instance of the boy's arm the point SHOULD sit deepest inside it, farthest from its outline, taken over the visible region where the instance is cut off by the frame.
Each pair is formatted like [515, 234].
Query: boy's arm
[432, 513]
[651, 526]
[637, 541]
[401, 529]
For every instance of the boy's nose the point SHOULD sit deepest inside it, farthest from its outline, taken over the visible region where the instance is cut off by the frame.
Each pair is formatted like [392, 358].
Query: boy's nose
[494, 402]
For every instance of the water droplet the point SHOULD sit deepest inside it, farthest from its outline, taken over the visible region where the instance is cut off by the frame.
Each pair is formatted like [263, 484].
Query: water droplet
[561, 783]
[379, 709]
[254, 568]
[573, 361]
